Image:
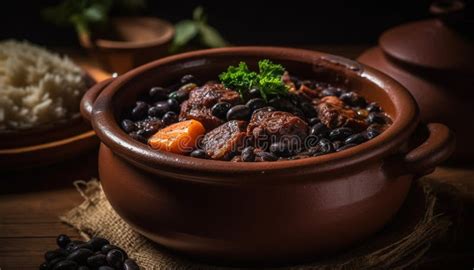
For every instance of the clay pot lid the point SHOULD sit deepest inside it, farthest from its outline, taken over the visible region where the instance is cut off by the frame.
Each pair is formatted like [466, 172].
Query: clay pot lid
[430, 44]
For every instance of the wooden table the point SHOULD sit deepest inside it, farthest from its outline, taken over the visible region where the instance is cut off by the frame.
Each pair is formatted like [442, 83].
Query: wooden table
[31, 201]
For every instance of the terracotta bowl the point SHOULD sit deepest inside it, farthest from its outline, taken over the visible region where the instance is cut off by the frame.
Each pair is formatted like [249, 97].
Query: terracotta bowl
[268, 212]
[135, 41]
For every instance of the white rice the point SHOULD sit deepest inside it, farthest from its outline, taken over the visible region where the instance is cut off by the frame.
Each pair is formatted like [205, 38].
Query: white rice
[36, 86]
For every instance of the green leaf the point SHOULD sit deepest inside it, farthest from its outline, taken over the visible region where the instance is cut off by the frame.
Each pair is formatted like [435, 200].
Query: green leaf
[210, 37]
[268, 80]
[198, 14]
[95, 13]
[184, 32]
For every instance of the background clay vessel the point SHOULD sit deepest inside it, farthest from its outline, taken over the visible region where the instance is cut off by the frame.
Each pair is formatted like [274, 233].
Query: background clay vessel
[263, 212]
[434, 60]
[133, 41]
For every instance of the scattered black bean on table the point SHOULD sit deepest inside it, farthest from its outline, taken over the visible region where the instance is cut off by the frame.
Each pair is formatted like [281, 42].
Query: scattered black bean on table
[97, 253]
[161, 107]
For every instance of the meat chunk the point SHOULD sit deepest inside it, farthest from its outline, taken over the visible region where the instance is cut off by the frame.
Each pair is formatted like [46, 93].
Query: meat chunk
[225, 139]
[267, 127]
[198, 106]
[333, 114]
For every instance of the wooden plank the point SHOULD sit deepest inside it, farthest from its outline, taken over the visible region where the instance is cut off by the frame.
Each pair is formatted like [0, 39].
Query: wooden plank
[40, 207]
[16, 230]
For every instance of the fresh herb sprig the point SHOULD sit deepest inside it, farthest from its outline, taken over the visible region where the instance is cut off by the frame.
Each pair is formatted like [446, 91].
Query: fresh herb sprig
[268, 80]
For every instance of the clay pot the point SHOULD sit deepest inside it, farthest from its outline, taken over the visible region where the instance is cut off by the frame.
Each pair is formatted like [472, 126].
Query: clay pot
[263, 212]
[433, 59]
[134, 41]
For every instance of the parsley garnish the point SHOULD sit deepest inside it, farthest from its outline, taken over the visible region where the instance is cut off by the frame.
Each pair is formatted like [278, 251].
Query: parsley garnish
[268, 80]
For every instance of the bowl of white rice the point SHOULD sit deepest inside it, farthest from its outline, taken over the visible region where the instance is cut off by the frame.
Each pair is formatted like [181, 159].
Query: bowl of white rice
[40, 92]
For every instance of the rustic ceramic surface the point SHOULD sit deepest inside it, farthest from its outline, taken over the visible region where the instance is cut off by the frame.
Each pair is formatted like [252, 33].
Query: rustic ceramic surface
[268, 212]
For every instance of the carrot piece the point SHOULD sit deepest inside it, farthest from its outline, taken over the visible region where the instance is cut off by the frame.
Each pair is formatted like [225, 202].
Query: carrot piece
[177, 138]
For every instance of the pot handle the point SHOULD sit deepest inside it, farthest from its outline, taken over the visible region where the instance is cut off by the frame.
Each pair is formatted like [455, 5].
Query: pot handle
[434, 150]
[87, 101]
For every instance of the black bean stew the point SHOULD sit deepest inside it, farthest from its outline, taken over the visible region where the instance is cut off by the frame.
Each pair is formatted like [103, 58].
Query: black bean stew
[212, 121]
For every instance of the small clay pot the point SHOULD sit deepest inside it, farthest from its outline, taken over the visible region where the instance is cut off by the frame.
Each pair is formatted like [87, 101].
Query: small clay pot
[262, 212]
[434, 60]
[134, 41]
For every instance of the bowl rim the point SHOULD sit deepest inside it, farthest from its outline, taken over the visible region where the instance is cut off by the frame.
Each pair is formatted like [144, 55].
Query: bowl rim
[202, 170]
[165, 37]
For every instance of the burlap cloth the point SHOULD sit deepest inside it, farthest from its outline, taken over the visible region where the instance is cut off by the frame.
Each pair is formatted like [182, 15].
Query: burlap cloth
[399, 245]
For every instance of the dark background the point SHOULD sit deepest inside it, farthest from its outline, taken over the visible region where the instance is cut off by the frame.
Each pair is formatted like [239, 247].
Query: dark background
[243, 22]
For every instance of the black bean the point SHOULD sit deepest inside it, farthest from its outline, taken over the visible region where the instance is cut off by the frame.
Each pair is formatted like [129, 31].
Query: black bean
[115, 258]
[73, 244]
[331, 91]
[254, 92]
[372, 133]
[128, 125]
[179, 96]
[97, 260]
[220, 109]
[353, 99]
[337, 144]
[283, 149]
[256, 103]
[356, 139]
[53, 254]
[62, 240]
[138, 137]
[320, 130]
[310, 141]
[238, 112]
[188, 78]
[65, 265]
[140, 110]
[146, 132]
[53, 262]
[98, 242]
[281, 104]
[183, 92]
[130, 264]
[173, 105]
[105, 267]
[169, 118]
[43, 266]
[248, 154]
[373, 107]
[83, 267]
[378, 118]
[340, 133]
[80, 255]
[347, 146]
[313, 121]
[84, 246]
[299, 113]
[199, 153]
[158, 93]
[267, 156]
[159, 109]
[308, 109]
[325, 146]
[105, 249]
